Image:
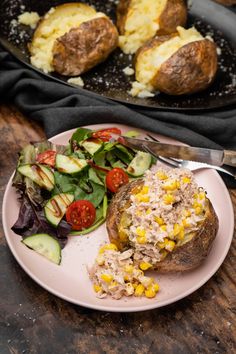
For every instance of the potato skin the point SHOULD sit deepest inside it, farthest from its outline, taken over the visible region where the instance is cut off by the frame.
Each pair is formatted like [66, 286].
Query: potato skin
[186, 257]
[173, 15]
[82, 48]
[191, 69]
[121, 15]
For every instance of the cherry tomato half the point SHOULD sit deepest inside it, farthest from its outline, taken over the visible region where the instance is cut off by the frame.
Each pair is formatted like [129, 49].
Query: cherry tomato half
[81, 214]
[47, 157]
[105, 134]
[116, 178]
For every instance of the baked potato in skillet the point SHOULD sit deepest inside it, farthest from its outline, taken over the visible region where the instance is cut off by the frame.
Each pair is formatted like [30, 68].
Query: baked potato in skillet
[72, 38]
[173, 237]
[181, 63]
[138, 21]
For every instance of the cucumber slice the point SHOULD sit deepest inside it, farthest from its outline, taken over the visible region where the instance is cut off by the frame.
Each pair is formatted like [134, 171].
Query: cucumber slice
[56, 207]
[140, 163]
[92, 146]
[39, 174]
[45, 245]
[69, 164]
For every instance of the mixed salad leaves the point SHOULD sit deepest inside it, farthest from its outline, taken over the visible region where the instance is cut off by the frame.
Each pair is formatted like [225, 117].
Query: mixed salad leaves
[66, 190]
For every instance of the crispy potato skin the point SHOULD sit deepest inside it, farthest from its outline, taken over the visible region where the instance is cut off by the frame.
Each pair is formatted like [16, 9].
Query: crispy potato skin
[191, 69]
[173, 15]
[121, 14]
[82, 48]
[186, 257]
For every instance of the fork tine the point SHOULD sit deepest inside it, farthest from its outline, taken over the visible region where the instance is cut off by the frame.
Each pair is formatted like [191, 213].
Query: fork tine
[169, 159]
[169, 162]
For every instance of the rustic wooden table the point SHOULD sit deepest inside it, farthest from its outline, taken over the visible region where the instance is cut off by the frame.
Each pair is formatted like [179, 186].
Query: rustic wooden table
[35, 321]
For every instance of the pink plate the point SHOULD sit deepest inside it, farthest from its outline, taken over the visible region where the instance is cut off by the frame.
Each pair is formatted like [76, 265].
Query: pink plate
[70, 280]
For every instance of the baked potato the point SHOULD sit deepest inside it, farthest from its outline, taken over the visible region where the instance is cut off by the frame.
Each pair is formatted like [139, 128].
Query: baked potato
[181, 63]
[71, 39]
[138, 21]
[165, 218]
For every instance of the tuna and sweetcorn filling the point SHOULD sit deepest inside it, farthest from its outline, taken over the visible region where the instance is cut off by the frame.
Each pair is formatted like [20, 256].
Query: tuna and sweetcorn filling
[115, 274]
[164, 213]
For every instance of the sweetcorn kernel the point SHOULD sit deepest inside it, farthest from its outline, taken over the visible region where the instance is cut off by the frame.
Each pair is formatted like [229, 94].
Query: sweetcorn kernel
[145, 265]
[97, 288]
[163, 227]
[170, 245]
[187, 213]
[176, 229]
[181, 234]
[161, 175]
[186, 179]
[142, 198]
[150, 292]
[202, 195]
[186, 223]
[171, 185]
[144, 190]
[196, 205]
[139, 290]
[159, 220]
[107, 277]
[110, 246]
[148, 211]
[168, 198]
[198, 210]
[156, 287]
[161, 245]
[140, 232]
[141, 240]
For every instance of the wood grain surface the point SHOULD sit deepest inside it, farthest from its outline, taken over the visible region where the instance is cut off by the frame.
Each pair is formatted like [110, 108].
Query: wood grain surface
[35, 321]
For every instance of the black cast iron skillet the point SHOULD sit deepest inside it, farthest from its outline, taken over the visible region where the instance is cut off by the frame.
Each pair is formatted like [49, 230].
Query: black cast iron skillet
[108, 78]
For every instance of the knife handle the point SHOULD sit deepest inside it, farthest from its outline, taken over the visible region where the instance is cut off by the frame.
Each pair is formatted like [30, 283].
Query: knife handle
[230, 157]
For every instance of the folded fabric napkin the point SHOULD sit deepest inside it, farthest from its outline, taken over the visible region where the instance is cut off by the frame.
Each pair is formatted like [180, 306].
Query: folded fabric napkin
[60, 107]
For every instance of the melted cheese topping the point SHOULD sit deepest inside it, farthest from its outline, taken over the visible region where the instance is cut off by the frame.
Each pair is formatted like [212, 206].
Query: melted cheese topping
[141, 23]
[150, 61]
[55, 24]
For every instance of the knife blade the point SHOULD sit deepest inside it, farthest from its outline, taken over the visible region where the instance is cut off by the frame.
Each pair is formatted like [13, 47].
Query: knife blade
[190, 153]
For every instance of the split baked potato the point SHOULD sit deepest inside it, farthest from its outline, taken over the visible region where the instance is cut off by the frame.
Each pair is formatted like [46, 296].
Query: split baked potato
[138, 21]
[71, 39]
[180, 63]
[174, 237]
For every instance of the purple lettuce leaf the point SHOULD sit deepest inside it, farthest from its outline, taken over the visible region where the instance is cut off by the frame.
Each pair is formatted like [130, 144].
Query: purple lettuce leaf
[31, 220]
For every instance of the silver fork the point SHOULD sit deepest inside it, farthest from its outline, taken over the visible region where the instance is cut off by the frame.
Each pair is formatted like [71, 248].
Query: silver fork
[191, 165]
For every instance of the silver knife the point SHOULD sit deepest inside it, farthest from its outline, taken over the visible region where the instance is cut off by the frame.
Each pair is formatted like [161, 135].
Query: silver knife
[210, 156]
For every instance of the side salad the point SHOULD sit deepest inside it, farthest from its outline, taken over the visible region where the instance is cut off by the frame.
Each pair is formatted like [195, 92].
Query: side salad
[66, 190]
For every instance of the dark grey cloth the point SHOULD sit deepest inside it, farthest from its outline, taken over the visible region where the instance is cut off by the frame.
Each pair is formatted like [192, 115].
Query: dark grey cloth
[60, 107]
